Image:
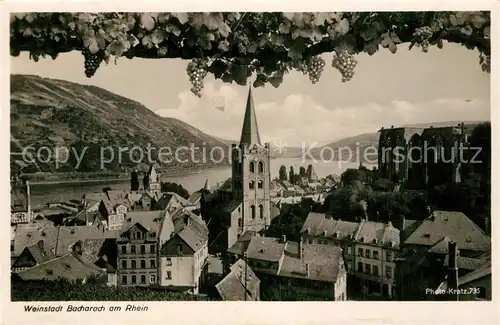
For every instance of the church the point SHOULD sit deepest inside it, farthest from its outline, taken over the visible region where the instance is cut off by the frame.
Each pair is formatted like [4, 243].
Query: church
[248, 206]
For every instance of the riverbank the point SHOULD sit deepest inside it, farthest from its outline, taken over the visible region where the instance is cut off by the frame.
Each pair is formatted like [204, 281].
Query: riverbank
[126, 177]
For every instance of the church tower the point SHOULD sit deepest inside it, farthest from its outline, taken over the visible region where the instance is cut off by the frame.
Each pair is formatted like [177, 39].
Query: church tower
[251, 175]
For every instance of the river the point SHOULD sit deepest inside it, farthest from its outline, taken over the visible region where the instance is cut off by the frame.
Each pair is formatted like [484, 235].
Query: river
[42, 193]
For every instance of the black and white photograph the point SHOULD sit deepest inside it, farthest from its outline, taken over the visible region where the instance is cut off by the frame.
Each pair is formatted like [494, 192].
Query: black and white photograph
[250, 156]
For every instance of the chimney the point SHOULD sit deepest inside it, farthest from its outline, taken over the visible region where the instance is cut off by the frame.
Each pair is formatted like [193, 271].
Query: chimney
[283, 239]
[453, 271]
[430, 212]
[28, 198]
[308, 272]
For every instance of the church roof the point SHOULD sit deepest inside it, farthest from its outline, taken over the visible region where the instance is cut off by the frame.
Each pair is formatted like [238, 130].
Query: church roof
[250, 130]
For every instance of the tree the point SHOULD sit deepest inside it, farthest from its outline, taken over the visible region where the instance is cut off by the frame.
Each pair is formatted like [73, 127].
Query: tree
[350, 176]
[134, 181]
[309, 172]
[175, 188]
[235, 46]
[282, 173]
[302, 171]
[291, 175]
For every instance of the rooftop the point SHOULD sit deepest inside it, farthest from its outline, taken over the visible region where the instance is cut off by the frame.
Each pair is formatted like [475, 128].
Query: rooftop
[455, 226]
[233, 288]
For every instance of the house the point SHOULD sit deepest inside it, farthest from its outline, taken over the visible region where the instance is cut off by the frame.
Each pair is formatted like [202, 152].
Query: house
[424, 253]
[70, 266]
[113, 212]
[184, 252]
[277, 190]
[240, 284]
[138, 248]
[32, 256]
[369, 250]
[20, 202]
[194, 201]
[317, 269]
[170, 201]
[94, 242]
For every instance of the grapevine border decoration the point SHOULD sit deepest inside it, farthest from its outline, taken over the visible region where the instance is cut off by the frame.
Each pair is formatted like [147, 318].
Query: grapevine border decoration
[233, 46]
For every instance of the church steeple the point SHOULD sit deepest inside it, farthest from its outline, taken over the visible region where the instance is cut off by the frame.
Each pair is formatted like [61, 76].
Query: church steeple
[250, 130]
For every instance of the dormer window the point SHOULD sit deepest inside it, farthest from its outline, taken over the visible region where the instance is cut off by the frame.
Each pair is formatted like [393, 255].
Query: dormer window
[325, 233]
[427, 235]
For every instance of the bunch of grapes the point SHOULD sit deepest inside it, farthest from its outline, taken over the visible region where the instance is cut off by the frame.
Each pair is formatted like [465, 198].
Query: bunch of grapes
[422, 36]
[314, 67]
[485, 62]
[92, 62]
[197, 71]
[345, 63]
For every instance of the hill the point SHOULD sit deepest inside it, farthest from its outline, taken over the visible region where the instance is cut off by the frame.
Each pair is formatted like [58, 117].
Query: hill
[366, 140]
[56, 113]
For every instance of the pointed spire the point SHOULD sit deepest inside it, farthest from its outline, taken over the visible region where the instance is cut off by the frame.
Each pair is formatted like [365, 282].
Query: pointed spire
[250, 130]
[206, 188]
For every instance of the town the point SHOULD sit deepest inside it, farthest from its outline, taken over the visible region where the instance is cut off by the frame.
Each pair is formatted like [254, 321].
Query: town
[259, 236]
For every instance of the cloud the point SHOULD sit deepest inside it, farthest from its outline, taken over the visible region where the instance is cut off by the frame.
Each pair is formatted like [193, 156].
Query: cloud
[296, 119]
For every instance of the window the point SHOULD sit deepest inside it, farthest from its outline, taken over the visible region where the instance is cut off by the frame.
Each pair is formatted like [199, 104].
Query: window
[252, 208]
[367, 253]
[134, 264]
[132, 249]
[388, 272]
[261, 167]
[360, 267]
[124, 264]
[252, 167]
[349, 265]
[375, 270]
[481, 293]
[179, 249]
[143, 264]
[169, 261]
[388, 256]
[124, 249]
[152, 278]
[143, 249]
[261, 211]
[251, 185]
[169, 275]
[240, 222]
[260, 184]
[360, 252]
[152, 249]
[143, 279]
[152, 264]
[349, 249]
[134, 279]
[375, 255]
[124, 279]
[138, 235]
[368, 268]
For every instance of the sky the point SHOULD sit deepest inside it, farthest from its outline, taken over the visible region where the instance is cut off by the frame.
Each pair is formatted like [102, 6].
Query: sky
[387, 89]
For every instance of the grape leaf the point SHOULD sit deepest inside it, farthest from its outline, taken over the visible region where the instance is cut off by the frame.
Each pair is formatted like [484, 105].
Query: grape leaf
[224, 46]
[174, 29]
[224, 29]
[368, 34]
[370, 48]
[320, 18]
[276, 80]
[284, 27]
[158, 36]
[218, 68]
[393, 48]
[239, 74]
[298, 47]
[342, 27]
[147, 21]
[277, 40]
[182, 17]
[386, 40]
[30, 17]
[467, 30]
[116, 48]
[453, 20]
[258, 83]
[478, 21]
[163, 17]
[394, 37]
[252, 48]
[147, 42]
